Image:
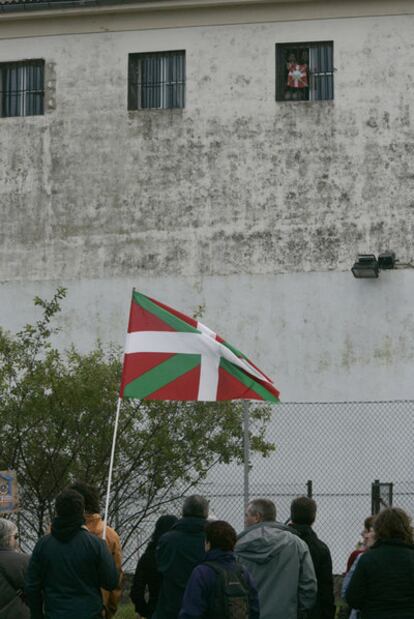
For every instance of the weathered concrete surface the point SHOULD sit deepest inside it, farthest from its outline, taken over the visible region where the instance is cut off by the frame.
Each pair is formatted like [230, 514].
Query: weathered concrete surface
[251, 207]
[235, 183]
[320, 336]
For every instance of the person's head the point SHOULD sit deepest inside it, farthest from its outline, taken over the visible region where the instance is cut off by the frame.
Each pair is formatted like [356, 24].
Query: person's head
[163, 524]
[70, 504]
[8, 534]
[393, 523]
[303, 510]
[195, 506]
[90, 496]
[367, 532]
[220, 535]
[260, 510]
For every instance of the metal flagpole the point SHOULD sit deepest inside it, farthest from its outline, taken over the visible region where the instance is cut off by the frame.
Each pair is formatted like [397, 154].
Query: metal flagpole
[111, 465]
[246, 442]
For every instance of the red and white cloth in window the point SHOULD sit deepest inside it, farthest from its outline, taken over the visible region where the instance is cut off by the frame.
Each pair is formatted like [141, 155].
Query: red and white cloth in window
[297, 75]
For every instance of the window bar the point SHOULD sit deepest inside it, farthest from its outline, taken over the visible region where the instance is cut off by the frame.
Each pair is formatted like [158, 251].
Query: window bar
[29, 107]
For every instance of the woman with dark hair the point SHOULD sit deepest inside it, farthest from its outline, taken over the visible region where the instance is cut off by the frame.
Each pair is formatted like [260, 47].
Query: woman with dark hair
[146, 583]
[220, 586]
[382, 586]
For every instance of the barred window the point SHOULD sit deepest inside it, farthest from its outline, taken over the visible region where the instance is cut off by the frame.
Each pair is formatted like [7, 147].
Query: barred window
[22, 88]
[156, 80]
[304, 71]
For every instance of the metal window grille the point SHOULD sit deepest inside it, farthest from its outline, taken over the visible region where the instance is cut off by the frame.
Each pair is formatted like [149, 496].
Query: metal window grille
[22, 88]
[156, 80]
[304, 71]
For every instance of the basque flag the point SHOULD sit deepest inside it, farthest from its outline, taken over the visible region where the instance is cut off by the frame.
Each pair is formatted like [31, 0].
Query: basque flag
[170, 356]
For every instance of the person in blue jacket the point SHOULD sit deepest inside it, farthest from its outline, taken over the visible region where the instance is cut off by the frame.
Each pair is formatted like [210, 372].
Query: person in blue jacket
[69, 567]
[202, 597]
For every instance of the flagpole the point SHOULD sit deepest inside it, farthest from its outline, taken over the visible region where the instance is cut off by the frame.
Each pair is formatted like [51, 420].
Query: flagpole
[111, 465]
[246, 444]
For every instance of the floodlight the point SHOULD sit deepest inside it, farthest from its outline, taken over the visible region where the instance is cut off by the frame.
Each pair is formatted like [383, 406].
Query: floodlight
[366, 266]
[386, 260]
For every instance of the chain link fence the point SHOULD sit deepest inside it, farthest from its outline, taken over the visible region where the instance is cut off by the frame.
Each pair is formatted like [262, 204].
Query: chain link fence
[352, 457]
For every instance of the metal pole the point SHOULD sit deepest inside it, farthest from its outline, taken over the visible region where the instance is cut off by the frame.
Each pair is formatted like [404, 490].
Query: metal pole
[111, 464]
[246, 443]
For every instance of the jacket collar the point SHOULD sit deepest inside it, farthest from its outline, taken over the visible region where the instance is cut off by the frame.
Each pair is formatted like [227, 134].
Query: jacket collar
[392, 542]
[266, 524]
[190, 524]
[303, 530]
[221, 556]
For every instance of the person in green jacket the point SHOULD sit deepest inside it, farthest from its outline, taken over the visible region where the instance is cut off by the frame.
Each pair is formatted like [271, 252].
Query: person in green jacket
[382, 586]
[69, 567]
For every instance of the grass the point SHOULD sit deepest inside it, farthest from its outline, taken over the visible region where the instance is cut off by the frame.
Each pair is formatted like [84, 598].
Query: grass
[126, 611]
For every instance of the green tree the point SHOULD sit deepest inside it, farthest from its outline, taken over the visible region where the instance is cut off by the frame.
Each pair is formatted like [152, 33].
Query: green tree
[56, 422]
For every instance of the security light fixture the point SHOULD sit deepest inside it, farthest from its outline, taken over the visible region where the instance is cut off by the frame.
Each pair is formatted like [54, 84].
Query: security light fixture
[386, 260]
[365, 266]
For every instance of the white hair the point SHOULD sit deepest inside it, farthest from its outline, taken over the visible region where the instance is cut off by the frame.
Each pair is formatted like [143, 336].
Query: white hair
[7, 531]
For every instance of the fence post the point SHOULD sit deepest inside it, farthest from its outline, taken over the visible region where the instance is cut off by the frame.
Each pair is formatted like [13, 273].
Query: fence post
[309, 488]
[375, 497]
[246, 445]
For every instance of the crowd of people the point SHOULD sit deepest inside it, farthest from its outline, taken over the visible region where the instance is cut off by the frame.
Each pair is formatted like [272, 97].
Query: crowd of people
[199, 568]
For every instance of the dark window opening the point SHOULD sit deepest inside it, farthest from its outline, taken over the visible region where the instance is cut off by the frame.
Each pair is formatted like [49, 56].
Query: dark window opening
[22, 88]
[156, 80]
[304, 71]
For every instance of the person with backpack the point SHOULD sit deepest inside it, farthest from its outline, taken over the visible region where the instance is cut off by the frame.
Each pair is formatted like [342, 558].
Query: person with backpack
[220, 588]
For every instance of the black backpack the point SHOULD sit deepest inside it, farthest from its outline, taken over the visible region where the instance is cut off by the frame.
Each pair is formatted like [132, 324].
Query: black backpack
[230, 598]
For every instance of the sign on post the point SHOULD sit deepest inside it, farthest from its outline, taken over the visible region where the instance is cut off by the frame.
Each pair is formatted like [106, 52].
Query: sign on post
[8, 492]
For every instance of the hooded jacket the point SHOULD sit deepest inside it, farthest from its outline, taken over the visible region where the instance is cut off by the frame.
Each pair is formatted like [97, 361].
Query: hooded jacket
[198, 596]
[178, 552]
[13, 566]
[66, 571]
[281, 566]
[95, 525]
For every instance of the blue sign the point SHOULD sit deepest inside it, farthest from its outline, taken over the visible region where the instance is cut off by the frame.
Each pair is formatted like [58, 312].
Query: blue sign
[8, 492]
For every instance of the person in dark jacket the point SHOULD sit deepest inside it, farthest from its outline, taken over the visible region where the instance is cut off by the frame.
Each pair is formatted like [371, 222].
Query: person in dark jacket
[178, 552]
[147, 579]
[95, 524]
[302, 516]
[382, 586]
[200, 599]
[69, 566]
[13, 566]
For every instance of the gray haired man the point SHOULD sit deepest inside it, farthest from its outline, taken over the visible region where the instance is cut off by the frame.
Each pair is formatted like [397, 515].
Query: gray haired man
[178, 552]
[13, 566]
[279, 562]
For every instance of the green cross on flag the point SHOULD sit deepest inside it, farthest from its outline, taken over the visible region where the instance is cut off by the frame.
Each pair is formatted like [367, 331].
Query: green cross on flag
[170, 356]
